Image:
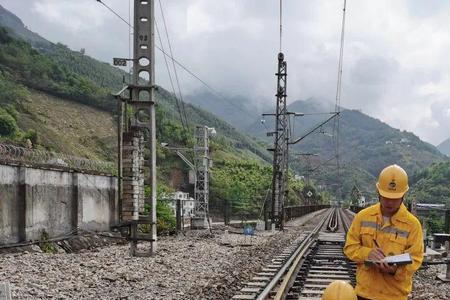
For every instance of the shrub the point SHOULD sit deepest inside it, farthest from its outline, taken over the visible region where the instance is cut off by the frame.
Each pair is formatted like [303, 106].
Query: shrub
[166, 222]
[8, 125]
[45, 244]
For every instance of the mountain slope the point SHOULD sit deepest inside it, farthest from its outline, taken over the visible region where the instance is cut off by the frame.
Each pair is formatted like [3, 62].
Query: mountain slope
[364, 141]
[444, 147]
[237, 110]
[8, 19]
[367, 145]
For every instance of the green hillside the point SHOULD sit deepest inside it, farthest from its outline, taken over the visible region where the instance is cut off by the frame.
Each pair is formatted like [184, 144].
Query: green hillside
[432, 185]
[367, 145]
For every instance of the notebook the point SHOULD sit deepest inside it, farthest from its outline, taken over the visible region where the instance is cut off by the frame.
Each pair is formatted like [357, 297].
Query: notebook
[401, 259]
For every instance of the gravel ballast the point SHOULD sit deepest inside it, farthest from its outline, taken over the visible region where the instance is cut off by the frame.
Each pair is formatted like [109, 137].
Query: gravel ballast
[198, 265]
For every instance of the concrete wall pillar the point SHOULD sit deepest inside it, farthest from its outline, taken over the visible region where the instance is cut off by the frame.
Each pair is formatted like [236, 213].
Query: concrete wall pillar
[77, 203]
[113, 202]
[22, 204]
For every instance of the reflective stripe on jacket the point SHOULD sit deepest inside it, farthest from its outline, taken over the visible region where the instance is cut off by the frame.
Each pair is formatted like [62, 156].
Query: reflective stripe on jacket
[402, 235]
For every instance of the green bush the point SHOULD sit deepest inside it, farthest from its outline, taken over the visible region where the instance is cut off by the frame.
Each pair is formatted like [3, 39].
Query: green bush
[166, 222]
[11, 110]
[8, 125]
[45, 244]
[434, 223]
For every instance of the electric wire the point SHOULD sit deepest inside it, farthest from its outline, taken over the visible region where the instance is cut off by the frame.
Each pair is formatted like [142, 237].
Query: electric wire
[129, 39]
[173, 63]
[111, 10]
[336, 128]
[186, 69]
[177, 102]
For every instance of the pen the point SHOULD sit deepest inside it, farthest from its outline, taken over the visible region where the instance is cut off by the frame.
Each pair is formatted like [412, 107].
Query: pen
[378, 246]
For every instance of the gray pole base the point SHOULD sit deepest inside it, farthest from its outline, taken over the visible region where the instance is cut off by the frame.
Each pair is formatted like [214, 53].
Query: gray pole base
[445, 277]
[5, 292]
[199, 223]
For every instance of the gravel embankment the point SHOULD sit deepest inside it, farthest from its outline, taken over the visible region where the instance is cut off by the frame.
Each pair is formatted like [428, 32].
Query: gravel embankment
[426, 286]
[196, 266]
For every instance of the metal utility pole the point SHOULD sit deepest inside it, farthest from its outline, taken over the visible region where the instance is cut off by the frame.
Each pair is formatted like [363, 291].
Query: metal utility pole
[280, 150]
[137, 132]
[202, 164]
[308, 165]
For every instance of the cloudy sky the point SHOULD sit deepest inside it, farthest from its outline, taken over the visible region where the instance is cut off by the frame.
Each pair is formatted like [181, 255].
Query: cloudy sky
[396, 60]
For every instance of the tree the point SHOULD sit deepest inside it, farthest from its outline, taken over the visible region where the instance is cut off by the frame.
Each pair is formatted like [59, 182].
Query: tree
[434, 223]
[355, 195]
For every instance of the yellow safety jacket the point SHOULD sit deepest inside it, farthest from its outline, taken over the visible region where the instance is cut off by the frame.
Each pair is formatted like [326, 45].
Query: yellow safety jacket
[402, 235]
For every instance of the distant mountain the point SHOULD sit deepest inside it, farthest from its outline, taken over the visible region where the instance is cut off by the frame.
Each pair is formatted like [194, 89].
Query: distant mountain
[10, 20]
[364, 141]
[367, 145]
[444, 147]
[236, 110]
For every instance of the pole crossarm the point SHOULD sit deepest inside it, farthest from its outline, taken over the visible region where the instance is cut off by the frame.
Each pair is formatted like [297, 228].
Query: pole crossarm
[322, 164]
[315, 128]
[184, 158]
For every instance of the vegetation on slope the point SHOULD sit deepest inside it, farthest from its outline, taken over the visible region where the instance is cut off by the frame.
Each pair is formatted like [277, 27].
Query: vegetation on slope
[432, 185]
[19, 61]
[367, 145]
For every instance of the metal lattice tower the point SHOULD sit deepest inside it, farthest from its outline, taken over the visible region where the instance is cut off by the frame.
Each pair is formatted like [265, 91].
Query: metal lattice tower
[137, 132]
[202, 162]
[280, 151]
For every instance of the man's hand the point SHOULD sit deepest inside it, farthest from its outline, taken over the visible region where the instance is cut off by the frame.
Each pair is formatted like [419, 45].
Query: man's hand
[376, 254]
[386, 268]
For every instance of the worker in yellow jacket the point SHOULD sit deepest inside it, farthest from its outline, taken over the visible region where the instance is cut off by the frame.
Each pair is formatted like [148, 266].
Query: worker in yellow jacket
[385, 229]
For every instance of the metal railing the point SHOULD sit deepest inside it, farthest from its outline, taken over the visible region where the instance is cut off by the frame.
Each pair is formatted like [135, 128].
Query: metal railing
[42, 158]
[291, 212]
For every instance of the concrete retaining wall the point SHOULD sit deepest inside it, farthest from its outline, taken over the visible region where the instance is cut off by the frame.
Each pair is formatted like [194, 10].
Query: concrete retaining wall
[57, 201]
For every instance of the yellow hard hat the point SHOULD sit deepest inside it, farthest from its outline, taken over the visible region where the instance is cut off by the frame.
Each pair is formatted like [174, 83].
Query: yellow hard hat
[339, 290]
[393, 182]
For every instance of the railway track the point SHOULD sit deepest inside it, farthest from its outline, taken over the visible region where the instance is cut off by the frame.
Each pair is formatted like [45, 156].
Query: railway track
[304, 269]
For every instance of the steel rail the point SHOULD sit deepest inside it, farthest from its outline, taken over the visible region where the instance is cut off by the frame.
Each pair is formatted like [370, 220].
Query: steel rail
[303, 246]
[289, 279]
[281, 293]
[334, 221]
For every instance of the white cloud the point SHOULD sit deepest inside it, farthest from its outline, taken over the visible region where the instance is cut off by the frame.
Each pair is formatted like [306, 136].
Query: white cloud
[74, 16]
